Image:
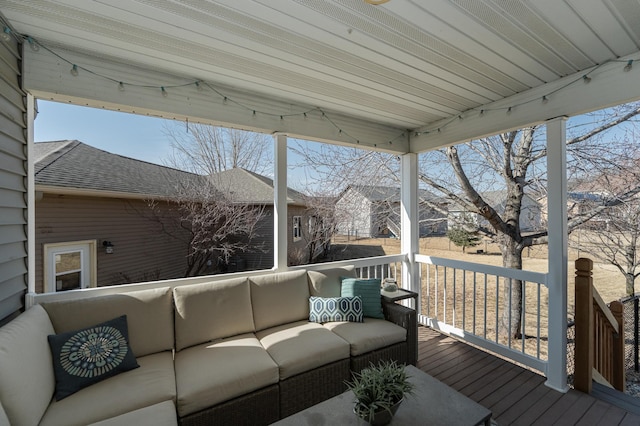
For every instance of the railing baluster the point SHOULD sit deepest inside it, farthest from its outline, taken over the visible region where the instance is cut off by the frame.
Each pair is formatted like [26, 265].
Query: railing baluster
[485, 306]
[510, 331]
[437, 302]
[523, 321]
[428, 290]
[455, 275]
[497, 307]
[538, 326]
[464, 299]
[444, 298]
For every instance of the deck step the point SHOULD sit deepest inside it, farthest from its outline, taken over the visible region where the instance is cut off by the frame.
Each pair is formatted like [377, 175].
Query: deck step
[617, 398]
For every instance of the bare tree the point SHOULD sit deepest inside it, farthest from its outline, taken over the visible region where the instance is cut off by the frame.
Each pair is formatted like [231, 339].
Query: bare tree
[614, 235]
[206, 150]
[615, 240]
[215, 222]
[512, 162]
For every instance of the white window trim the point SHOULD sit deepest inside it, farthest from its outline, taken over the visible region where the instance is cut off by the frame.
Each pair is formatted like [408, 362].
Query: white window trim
[91, 281]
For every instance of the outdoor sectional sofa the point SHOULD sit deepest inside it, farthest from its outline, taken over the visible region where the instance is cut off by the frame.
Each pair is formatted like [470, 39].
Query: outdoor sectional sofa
[236, 351]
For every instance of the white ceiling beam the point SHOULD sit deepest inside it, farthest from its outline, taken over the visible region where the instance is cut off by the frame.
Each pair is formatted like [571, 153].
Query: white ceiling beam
[569, 96]
[48, 77]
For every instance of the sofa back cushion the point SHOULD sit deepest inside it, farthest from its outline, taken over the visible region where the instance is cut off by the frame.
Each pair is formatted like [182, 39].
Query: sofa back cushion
[212, 311]
[327, 283]
[26, 369]
[279, 298]
[149, 316]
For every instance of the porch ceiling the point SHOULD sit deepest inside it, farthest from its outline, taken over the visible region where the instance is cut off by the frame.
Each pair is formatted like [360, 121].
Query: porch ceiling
[407, 64]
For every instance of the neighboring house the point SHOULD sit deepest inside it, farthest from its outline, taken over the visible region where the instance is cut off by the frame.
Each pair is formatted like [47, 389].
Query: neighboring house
[251, 188]
[531, 215]
[92, 219]
[94, 226]
[374, 211]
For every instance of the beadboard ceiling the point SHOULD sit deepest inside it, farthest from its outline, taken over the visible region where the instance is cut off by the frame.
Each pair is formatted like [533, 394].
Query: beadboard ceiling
[406, 64]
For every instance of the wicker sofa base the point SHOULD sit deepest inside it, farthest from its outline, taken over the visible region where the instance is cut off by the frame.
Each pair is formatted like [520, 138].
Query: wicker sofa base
[307, 389]
[260, 407]
[397, 352]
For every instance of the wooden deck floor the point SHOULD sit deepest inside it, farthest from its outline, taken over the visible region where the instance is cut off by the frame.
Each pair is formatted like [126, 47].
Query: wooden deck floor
[516, 396]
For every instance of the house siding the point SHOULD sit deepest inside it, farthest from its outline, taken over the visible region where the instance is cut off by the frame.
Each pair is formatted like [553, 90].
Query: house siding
[13, 183]
[142, 251]
[262, 257]
[354, 215]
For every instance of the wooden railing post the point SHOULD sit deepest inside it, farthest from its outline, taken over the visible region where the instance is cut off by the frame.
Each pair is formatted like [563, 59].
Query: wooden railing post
[618, 381]
[582, 380]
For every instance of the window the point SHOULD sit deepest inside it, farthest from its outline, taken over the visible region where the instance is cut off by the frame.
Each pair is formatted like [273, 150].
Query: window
[297, 228]
[68, 266]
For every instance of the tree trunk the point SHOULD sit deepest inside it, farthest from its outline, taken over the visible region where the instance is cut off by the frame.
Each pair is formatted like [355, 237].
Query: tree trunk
[511, 318]
[630, 280]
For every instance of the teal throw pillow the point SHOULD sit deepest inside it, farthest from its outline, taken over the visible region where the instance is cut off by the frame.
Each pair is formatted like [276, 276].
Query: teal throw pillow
[90, 355]
[368, 290]
[325, 309]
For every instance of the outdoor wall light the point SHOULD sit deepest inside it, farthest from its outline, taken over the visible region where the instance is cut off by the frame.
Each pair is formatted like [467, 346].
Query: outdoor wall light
[108, 247]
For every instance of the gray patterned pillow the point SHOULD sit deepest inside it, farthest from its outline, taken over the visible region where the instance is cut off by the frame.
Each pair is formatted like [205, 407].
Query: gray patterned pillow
[90, 355]
[325, 309]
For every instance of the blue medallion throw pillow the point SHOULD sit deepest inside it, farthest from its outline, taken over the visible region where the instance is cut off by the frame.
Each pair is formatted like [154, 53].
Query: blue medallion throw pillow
[84, 357]
[368, 290]
[325, 309]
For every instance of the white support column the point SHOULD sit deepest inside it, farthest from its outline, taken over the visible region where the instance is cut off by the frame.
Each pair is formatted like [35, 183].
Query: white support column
[558, 257]
[31, 201]
[280, 203]
[410, 220]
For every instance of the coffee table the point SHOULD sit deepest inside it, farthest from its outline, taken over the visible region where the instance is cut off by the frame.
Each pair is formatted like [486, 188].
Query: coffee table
[432, 403]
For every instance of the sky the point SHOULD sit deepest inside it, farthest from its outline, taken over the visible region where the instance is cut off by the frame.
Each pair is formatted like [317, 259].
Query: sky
[131, 135]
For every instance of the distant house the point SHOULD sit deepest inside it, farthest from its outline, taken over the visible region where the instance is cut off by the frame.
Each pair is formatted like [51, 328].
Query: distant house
[251, 188]
[92, 223]
[531, 217]
[94, 226]
[374, 211]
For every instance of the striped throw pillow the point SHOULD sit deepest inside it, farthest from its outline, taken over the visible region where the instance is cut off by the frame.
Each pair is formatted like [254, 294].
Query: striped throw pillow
[369, 290]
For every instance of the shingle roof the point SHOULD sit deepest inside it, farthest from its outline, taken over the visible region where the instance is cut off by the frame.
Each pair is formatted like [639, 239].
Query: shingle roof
[388, 193]
[249, 187]
[73, 164]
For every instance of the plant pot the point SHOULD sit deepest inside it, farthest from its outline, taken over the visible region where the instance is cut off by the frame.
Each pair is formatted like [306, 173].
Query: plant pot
[380, 418]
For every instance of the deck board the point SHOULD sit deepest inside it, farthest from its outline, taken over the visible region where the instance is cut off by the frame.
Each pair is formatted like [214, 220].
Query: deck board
[515, 395]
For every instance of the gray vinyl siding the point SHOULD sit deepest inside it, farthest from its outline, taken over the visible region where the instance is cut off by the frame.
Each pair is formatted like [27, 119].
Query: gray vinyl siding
[13, 183]
[143, 249]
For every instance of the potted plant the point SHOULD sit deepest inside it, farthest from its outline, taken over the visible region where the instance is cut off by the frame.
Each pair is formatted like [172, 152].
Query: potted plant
[379, 390]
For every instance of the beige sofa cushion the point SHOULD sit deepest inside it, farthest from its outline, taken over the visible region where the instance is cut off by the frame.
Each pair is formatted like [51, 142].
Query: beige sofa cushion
[26, 369]
[302, 346]
[150, 384]
[327, 283]
[369, 335]
[149, 317]
[162, 414]
[210, 311]
[279, 298]
[212, 373]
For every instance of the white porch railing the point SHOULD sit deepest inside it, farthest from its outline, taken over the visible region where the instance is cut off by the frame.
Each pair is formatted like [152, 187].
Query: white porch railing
[467, 300]
[372, 267]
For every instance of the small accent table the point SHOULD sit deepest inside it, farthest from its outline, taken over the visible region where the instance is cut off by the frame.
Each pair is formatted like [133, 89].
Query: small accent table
[432, 403]
[399, 294]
